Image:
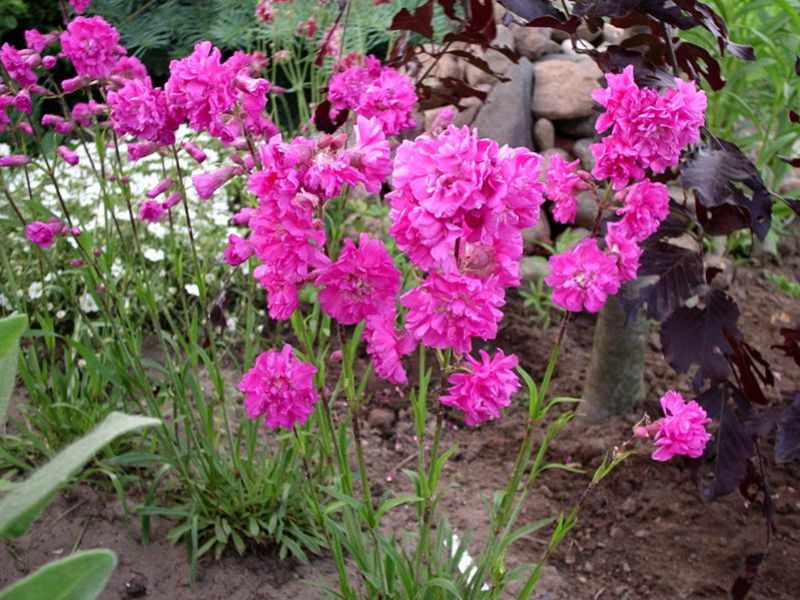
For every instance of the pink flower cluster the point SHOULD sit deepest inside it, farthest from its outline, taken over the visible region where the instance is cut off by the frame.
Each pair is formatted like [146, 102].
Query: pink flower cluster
[372, 90]
[682, 430]
[484, 387]
[295, 180]
[92, 45]
[44, 233]
[648, 130]
[280, 387]
[458, 209]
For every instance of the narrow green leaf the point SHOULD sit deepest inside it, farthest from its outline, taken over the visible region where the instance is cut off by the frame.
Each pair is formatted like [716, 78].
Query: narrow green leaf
[395, 502]
[23, 503]
[11, 329]
[80, 576]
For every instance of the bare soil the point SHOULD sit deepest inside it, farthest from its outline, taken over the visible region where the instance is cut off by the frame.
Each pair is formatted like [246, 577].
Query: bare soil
[645, 533]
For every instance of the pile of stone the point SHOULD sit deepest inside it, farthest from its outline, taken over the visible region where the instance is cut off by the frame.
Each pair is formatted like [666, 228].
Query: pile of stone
[543, 102]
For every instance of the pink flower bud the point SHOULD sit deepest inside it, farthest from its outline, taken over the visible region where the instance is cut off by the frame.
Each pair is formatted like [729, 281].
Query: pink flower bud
[68, 155]
[161, 187]
[208, 183]
[140, 150]
[194, 151]
[151, 211]
[243, 216]
[25, 128]
[74, 83]
[100, 288]
[172, 200]
[48, 62]
[14, 160]
[237, 251]
[97, 251]
[75, 231]
[76, 262]
[22, 101]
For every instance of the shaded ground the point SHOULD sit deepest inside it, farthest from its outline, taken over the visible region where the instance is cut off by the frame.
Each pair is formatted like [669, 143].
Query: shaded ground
[645, 533]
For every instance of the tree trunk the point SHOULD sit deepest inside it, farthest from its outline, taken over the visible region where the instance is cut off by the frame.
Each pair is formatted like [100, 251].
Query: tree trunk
[615, 381]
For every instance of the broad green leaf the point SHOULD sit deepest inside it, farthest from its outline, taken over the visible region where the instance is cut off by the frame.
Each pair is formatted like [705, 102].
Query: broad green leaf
[23, 503]
[80, 576]
[11, 329]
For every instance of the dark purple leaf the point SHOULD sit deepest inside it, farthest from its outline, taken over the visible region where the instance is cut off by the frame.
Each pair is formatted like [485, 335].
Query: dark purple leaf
[616, 58]
[704, 15]
[569, 25]
[665, 10]
[794, 116]
[697, 62]
[795, 162]
[419, 21]
[680, 273]
[791, 343]
[741, 51]
[323, 121]
[717, 170]
[604, 8]
[763, 422]
[722, 220]
[696, 336]
[217, 315]
[482, 19]
[449, 8]
[793, 204]
[787, 440]
[532, 9]
[751, 368]
[754, 488]
[730, 443]
[463, 90]
[797, 66]
[743, 583]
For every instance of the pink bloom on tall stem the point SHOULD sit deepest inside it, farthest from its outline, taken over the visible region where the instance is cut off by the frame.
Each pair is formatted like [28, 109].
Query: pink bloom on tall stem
[22, 101]
[307, 29]
[18, 65]
[14, 160]
[483, 387]
[682, 430]
[137, 150]
[361, 282]
[194, 151]
[280, 387]
[370, 156]
[79, 6]
[646, 205]
[161, 187]
[92, 45]
[151, 211]
[38, 41]
[42, 234]
[141, 110]
[447, 310]
[583, 277]
[625, 250]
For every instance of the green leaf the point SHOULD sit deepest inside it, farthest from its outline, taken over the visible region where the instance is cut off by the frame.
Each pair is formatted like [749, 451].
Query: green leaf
[395, 502]
[23, 503]
[11, 329]
[441, 583]
[80, 576]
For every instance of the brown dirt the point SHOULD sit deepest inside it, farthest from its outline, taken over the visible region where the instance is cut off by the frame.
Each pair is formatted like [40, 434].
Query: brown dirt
[646, 533]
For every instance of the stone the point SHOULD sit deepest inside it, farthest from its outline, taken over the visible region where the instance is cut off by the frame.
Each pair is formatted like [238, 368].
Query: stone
[532, 268]
[466, 116]
[587, 34]
[562, 89]
[576, 47]
[613, 35]
[447, 66]
[553, 151]
[579, 128]
[581, 150]
[532, 42]
[505, 116]
[587, 210]
[534, 237]
[544, 134]
[382, 419]
[498, 62]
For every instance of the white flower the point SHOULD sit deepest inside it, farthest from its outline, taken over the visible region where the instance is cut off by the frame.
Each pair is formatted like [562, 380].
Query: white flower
[192, 289]
[116, 267]
[87, 303]
[158, 230]
[230, 323]
[4, 303]
[153, 255]
[61, 314]
[35, 290]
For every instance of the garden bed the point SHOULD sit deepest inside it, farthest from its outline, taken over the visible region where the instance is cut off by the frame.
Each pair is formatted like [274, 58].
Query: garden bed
[646, 532]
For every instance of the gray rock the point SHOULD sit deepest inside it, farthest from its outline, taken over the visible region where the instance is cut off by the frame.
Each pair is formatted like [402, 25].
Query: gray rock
[532, 42]
[506, 115]
[471, 107]
[586, 34]
[587, 211]
[579, 128]
[577, 47]
[534, 237]
[562, 90]
[613, 35]
[498, 62]
[533, 267]
[552, 151]
[544, 134]
[581, 150]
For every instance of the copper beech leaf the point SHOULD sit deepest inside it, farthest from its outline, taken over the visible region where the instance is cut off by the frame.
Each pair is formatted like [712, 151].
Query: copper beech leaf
[697, 336]
[791, 343]
[680, 273]
[420, 21]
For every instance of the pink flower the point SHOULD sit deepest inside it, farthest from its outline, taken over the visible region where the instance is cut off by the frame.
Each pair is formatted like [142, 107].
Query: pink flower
[37, 41]
[128, 67]
[682, 431]
[485, 386]
[447, 310]
[42, 234]
[386, 346]
[612, 162]
[5, 100]
[196, 153]
[140, 150]
[161, 187]
[521, 169]
[265, 12]
[646, 205]
[79, 6]
[237, 251]
[243, 216]
[280, 387]
[172, 200]
[141, 110]
[361, 282]
[563, 185]
[18, 64]
[59, 123]
[370, 157]
[22, 101]
[151, 211]
[92, 45]
[69, 156]
[282, 294]
[372, 90]
[208, 183]
[48, 62]
[583, 277]
[624, 250]
[307, 29]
